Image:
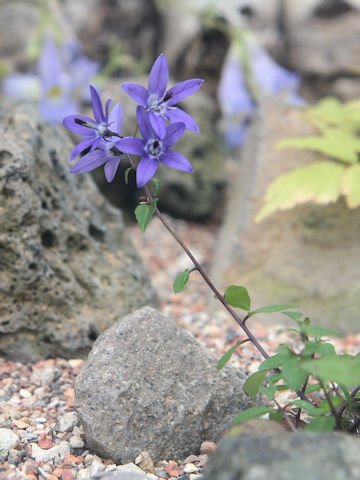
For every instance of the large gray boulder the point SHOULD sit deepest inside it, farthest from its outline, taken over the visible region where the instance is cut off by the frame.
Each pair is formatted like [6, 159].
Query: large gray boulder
[67, 268]
[308, 255]
[285, 456]
[148, 385]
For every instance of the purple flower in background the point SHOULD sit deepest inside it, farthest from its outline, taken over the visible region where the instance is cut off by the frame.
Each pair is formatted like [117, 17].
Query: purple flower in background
[236, 103]
[106, 152]
[154, 147]
[159, 102]
[92, 130]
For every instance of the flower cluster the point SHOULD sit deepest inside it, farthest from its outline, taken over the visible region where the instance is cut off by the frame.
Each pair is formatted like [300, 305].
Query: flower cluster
[60, 81]
[160, 121]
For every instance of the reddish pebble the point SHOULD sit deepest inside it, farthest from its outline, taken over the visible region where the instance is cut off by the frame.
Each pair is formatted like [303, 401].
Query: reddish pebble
[351, 340]
[209, 448]
[45, 442]
[172, 469]
[73, 459]
[67, 475]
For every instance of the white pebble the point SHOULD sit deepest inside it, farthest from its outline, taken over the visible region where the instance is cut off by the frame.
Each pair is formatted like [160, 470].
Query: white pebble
[8, 440]
[67, 422]
[76, 442]
[25, 393]
[190, 468]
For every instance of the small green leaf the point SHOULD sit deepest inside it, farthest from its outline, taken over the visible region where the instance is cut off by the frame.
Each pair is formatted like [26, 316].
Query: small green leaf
[312, 388]
[275, 361]
[181, 281]
[322, 349]
[144, 214]
[271, 309]
[292, 374]
[321, 424]
[276, 416]
[252, 384]
[293, 315]
[252, 412]
[228, 354]
[309, 407]
[268, 391]
[324, 406]
[156, 182]
[126, 174]
[237, 297]
[348, 398]
[318, 332]
[336, 368]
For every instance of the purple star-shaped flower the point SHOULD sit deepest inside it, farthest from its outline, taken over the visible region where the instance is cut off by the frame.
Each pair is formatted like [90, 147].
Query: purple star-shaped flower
[154, 147]
[106, 151]
[159, 102]
[92, 130]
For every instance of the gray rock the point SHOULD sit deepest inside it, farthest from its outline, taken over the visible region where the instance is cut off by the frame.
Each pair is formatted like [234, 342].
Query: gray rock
[283, 456]
[67, 268]
[307, 255]
[8, 440]
[148, 385]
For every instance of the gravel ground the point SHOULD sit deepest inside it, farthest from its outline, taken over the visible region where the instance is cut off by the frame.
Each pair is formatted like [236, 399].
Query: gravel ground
[37, 418]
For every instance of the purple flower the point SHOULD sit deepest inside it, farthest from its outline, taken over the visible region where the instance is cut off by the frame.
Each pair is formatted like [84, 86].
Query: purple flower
[106, 151]
[92, 130]
[154, 147]
[159, 102]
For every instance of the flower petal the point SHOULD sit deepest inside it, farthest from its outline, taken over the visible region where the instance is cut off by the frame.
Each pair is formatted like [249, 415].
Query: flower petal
[73, 123]
[107, 106]
[116, 118]
[173, 133]
[146, 170]
[89, 162]
[176, 160]
[177, 115]
[110, 168]
[159, 77]
[97, 105]
[132, 145]
[143, 120]
[136, 92]
[182, 90]
[158, 124]
[80, 147]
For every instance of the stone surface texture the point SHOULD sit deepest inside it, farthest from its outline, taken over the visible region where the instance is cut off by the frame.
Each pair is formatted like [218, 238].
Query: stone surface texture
[308, 255]
[148, 385]
[67, 268]
[314, 456]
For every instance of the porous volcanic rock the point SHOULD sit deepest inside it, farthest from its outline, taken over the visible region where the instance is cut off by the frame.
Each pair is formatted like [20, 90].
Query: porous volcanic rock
[149, 385]
[67, 268]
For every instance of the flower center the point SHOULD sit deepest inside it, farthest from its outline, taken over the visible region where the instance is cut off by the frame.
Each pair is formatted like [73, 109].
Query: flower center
[101, 129]
[154, 147]
[156, 105]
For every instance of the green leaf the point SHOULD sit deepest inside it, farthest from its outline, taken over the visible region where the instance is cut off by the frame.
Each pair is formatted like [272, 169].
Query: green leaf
[335, 143]
[351, 185]
[252, 384]
[323, 349]
[318, 332]
[181, 281]
[268, 391]
[347, 397]
[156, 182]
[321, 424]
[293, 315]
[126, 174]
[324, 406]
[309, 407]
[276, 416]
[336, 368]
[319, 182]
[292, 374]
[275, 361]
[228, 354]
[312, 388]
[252, 412]
[144, 214]
[271, 309]
[237, 297]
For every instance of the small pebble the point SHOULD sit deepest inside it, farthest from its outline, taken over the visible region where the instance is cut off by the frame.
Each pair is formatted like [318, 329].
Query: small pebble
[190, 468]
[67, 422]
[209, 448]
[76, 442]
[8, 440]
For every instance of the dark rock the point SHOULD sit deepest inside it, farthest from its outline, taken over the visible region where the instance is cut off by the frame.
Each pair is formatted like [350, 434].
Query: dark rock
[67, 268]
[148, 385]
[284, 456]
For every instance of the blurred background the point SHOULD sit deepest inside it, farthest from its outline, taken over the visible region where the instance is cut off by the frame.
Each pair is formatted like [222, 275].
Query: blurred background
[267, 66]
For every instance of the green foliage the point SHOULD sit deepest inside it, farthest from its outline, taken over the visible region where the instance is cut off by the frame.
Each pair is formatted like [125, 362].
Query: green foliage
[271, 309]
[228, 354]
[238, 297]
[181, 281]
[325, 181]
[316, 368]
[144, 214]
